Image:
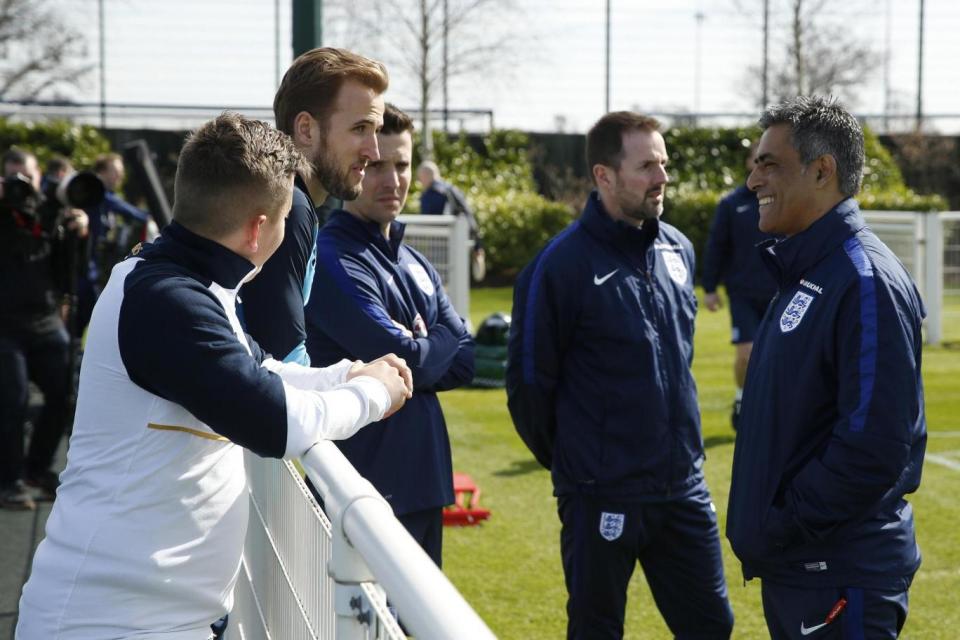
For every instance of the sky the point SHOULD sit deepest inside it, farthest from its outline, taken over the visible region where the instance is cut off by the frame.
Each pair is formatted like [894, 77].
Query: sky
[225, 53]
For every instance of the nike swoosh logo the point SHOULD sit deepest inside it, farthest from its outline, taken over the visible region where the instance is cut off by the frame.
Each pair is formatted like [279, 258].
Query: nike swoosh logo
[599, 281]
[805, 630]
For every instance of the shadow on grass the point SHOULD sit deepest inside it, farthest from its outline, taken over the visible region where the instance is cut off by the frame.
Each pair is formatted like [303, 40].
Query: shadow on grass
[519, 468]
[714, 441]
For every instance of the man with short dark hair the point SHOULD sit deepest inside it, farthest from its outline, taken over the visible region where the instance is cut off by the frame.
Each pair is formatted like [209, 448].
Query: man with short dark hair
[732, 258]
[600, 390]
[146, 535]
[832, 430]
[375, 294]
[58, 168]
[330, 102]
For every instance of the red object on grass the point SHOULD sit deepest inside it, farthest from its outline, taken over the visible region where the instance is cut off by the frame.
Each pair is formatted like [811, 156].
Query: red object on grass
[464, 512]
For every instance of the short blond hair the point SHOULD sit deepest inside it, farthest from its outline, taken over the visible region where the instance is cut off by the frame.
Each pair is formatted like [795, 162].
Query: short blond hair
[230, 167]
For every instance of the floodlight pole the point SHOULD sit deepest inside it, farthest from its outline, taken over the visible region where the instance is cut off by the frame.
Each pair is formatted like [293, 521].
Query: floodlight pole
[103, 67]
[699, 16]
[606, 104]
[446, 67]
[766, 52]
[307, 25]
[920, 73]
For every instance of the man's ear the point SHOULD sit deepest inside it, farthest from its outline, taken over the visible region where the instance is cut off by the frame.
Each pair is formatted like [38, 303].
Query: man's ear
[305, 129]
[826, 168]
[251, 231]
[602, 175]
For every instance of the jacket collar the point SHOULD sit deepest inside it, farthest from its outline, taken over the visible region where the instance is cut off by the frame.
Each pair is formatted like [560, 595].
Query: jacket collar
[625, 237]
[369, 232]
[790, 258]
[204, 257]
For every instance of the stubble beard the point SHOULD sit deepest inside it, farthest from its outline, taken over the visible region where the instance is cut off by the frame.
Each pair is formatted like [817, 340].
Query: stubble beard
[333, 178]
[646, 209]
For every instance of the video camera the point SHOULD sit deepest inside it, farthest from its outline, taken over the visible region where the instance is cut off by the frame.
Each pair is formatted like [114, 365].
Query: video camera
[42, 214]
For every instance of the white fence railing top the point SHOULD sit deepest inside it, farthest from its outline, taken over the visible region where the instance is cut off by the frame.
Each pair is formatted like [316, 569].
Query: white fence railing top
[427, 603]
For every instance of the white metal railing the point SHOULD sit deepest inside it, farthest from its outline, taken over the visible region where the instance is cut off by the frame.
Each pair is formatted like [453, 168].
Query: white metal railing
[445, 241]
[306, 577]
[917, 238]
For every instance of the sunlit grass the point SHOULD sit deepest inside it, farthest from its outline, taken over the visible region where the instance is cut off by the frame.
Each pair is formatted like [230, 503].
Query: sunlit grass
[509, 568]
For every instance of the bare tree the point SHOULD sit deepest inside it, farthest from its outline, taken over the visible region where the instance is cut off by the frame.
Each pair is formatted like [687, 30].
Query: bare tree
[432, 41]
[812, 54]
[41, 55]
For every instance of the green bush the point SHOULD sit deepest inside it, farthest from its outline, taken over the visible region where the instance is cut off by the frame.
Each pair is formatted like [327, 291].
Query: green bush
[515, 225]
[714, 159]
[495, 173]
[900, 199]
[709, 159]
[691, 211]
[80, 143]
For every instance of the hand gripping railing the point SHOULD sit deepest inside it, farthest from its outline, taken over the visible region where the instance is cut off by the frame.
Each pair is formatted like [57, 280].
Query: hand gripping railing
[369, 544]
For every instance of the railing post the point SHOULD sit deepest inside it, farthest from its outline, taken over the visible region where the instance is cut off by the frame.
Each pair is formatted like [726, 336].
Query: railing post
[461, 249]
[348, 569]
[933, 275]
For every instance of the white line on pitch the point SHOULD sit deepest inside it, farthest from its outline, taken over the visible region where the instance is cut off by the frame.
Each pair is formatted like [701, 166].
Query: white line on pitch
[944, 434]
[944, 461]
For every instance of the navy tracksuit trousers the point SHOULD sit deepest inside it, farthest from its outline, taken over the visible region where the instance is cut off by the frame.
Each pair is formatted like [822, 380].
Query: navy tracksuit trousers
[833, 613]
[678, 546]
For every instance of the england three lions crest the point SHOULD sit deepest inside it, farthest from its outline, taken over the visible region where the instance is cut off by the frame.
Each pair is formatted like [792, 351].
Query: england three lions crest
[611, 525]
[793, 314]
[675, 267]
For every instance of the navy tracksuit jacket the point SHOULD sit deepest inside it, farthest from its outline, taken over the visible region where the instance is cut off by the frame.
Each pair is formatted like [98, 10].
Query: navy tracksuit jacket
[832, 429]
[731, 254]
[598, 378]
[363, 284]
[282, 287]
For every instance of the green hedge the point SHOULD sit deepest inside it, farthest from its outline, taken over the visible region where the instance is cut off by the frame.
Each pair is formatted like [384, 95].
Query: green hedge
[515, 225]
[496, 173]
[691, 211]
[80, 143]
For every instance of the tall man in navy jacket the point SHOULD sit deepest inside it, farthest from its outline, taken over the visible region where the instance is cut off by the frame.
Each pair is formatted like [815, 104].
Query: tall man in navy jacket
[732, 257]
[375, 294]
[330, 102]
[832, 430]
[600, 389]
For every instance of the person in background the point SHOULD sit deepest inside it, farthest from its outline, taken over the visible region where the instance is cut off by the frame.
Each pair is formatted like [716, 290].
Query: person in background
[106, 221]
[440, 197]
[33, 339]
[330, 102]
[58, 168]
[732, 258]
[832, 430]
[373, 294]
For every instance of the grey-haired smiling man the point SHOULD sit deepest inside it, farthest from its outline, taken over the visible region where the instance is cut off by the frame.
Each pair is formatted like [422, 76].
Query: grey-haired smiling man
[832, 430]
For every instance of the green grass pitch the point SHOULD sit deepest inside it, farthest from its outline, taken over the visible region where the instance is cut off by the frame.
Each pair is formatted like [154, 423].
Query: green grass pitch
[509, 567]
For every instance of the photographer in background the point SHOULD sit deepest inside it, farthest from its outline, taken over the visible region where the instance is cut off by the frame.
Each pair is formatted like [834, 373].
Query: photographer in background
[58, 168]
[36, 237]
[111, 223]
